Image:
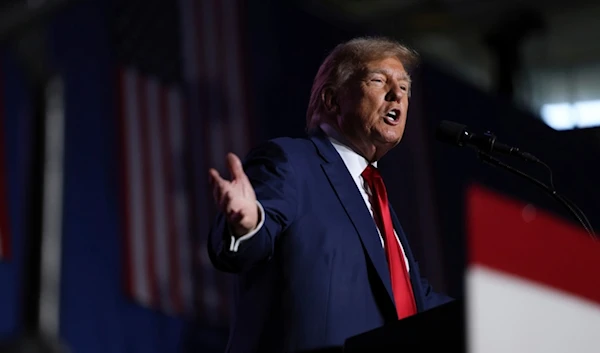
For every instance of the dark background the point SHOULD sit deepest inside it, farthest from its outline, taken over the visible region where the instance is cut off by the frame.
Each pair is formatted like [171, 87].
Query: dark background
[284, 43]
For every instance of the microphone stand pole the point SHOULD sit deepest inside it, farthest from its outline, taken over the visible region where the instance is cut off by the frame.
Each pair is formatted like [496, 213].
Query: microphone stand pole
[571, 208]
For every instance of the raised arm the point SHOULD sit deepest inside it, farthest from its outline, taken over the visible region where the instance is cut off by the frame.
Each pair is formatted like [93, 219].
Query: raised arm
[255, 207]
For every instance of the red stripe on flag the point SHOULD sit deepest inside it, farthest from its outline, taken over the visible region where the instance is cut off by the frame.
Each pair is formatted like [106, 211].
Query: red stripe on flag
[205, 54]
[509, 236]
[187, 248]
[150, 234]
[226, 124]
[168, 169]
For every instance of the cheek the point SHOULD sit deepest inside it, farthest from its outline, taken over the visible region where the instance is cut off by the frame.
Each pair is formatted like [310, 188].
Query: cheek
[374, 106]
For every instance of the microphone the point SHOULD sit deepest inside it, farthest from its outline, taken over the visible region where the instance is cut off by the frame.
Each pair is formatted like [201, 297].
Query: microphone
[459, 135]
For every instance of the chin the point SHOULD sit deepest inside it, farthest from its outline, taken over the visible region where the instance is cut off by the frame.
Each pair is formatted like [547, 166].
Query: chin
[391, 138]
[384, 146]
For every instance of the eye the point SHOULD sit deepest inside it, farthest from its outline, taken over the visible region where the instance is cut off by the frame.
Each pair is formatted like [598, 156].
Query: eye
[377, 78]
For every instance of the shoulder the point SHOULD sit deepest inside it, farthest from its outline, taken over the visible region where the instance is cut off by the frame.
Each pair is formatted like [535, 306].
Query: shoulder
[291, 145]
[283, 148]
[288, 159]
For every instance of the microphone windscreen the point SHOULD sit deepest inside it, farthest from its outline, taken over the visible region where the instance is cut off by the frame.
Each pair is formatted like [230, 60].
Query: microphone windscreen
[450, 132]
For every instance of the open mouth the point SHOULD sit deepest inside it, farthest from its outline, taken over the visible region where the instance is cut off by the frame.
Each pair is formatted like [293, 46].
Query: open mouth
[393, 117]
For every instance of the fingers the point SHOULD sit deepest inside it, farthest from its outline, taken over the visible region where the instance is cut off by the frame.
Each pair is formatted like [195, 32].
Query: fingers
[219, 185]
[215, 178]
[224, 201]
[235, 167]
[234, 215]
[224, 191]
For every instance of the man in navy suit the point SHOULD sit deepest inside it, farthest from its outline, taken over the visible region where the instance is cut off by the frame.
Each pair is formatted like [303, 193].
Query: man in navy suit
[305, 224]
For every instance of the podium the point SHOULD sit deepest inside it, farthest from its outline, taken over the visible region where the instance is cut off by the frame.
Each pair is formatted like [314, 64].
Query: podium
[532, 281]
[442, 326]
[532, 285]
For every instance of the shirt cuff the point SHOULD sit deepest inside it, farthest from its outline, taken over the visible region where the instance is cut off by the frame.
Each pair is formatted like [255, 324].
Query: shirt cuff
[236, 241]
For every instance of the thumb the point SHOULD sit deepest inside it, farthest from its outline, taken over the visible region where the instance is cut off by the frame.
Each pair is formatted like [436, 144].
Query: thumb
[235, 167]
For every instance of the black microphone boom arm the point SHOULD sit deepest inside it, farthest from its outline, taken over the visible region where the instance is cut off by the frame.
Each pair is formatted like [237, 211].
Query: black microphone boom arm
[487, 158]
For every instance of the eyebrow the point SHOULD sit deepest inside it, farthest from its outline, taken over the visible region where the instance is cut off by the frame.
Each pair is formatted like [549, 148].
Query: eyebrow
[405, 76]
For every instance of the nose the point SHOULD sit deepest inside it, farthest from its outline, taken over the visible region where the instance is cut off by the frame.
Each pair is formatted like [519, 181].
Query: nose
[394, 95]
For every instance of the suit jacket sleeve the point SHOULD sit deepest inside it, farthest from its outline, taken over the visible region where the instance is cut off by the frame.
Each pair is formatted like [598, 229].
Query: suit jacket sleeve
[274, 182]
[431, 297]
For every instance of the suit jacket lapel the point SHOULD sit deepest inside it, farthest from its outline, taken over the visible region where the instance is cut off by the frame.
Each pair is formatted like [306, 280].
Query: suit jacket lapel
[352, 201]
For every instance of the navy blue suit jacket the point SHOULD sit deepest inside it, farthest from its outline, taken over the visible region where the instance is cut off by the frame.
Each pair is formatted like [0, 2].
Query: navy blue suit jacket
[316, 273]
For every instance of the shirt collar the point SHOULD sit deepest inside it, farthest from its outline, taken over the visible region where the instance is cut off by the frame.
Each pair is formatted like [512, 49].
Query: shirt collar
[355, 163]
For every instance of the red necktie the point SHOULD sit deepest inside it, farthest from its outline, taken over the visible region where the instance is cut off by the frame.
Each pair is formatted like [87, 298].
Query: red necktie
[401, 287]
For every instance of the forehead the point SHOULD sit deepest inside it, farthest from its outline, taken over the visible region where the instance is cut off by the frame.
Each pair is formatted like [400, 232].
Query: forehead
[388, 66]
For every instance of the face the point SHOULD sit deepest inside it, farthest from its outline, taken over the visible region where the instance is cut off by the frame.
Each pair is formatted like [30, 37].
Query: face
[372, 107]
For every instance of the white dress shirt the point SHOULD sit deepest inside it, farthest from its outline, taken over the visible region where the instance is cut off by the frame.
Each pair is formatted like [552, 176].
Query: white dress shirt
[355, 164]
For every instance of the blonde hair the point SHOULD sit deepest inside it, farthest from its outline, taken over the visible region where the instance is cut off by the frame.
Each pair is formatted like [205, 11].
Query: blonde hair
[347, 59]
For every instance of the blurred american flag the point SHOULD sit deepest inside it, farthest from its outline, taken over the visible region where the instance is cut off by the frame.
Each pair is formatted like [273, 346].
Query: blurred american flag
[184, 105]
[4, 224]
[157, 210]
[213, 54]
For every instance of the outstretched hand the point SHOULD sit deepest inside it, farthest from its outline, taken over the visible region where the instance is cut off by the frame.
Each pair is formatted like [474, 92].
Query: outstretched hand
[235, 197]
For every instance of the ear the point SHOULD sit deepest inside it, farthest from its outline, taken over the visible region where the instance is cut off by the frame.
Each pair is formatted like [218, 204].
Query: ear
[329, 100]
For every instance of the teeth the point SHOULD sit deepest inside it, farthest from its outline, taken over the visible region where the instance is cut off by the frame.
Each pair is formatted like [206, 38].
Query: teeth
[392, 115]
